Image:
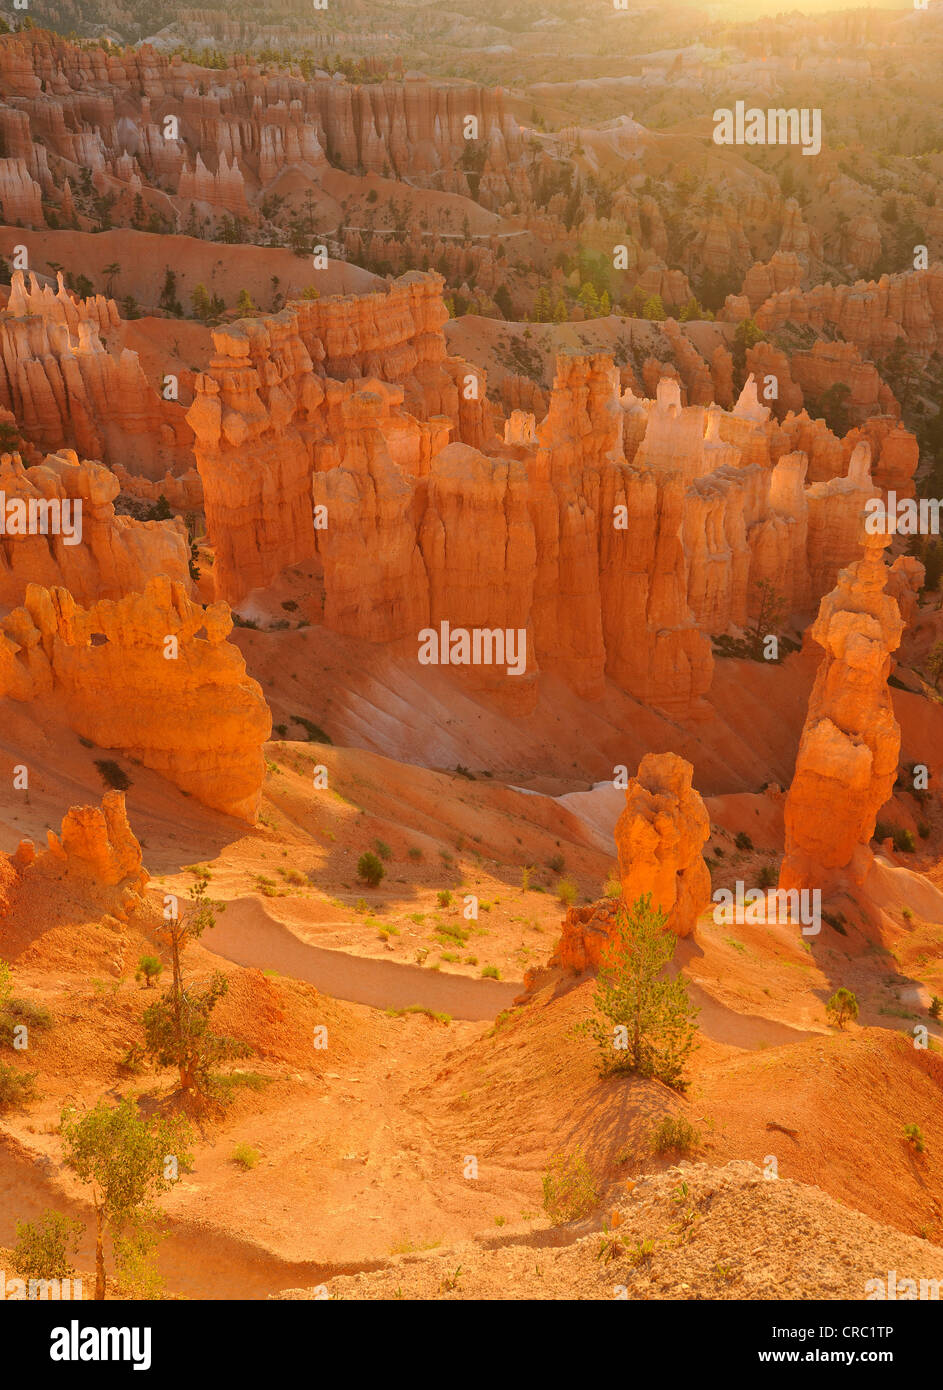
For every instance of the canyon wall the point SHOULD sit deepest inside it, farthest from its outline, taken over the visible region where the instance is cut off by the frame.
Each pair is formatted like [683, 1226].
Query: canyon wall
[135, 674]
[848, 753]
[106, 555]
[68, 389]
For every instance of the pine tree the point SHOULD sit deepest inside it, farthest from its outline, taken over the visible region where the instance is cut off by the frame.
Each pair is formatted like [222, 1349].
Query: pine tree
[200, 299]
[123, 1158]
[643, 1024]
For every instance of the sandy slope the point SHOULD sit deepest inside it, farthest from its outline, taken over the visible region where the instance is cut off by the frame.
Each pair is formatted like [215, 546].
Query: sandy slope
[697, 1231]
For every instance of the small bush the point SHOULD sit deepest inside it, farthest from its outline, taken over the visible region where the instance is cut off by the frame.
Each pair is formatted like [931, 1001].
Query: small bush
[43, 1247]
[452, 934]
[556, 864]
[27, 1011]
[882, 831]
[525, 879]
[914, 1135]
[382, 849]
[490, 972]
[936, 1006]
[112, 775]
[567, 891]
[570, 1190]
[245, 1156]
[414, 852]
[904, 841]
[842, 1006]
[836, 920]
[149, 969]
[314, 731]
[370, 869]
[923, 830]
[132, 1059]
[742, 840]
[675, 1134]
[16, 1087]
[767, 876]
[612, 888]
[444, 897]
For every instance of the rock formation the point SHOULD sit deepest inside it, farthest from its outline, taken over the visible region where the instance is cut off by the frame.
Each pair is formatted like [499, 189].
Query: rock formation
[873, 315]
[136, 674]
[67, 390]
[660, 837]
[267, 418]
[94, 845]
[59, 529]
[847, 760]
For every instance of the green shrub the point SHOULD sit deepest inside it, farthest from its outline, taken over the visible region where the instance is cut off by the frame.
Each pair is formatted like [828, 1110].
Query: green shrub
[16, 1087]
[675, 1134]
[567, 891]
[245, 1156]
[556, 864]
[904, 841]
[370, 869]
[43, 1247]
[112, 775]
[444, 898]
[414, 852]
[914, 1135]
[382, 849]
[767, 876]
[490, 972]
[643, 1023]
[936, 1006]
[27, 1011]
[882, 831]
[314, 731]
[842, 1006]
[742, 840]
[570, 1190]
[149, 969]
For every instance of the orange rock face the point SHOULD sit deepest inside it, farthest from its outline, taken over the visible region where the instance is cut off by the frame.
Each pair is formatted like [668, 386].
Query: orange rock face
[847, 760]
[105, 111]
[94, 844]
[871, 314]
[179, 702]
[267, 419]
[659, 839]
[21, 198]
[67, 390]
[85, 548]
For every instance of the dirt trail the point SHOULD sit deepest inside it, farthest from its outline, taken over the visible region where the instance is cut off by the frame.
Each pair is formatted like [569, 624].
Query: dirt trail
[194, 1259]
[248, 935]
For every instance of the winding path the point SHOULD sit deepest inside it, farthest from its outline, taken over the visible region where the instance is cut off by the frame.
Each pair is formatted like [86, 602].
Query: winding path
[247, 934]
